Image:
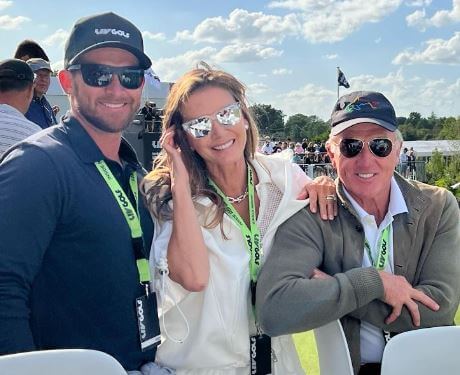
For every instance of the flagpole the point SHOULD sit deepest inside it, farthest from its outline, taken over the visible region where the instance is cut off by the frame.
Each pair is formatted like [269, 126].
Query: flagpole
[338, 86]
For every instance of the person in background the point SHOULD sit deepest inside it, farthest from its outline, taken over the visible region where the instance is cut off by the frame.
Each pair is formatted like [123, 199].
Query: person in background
[389, 262]
[29, 49]
[209, 188]
[403, 162]
[40, 110]
[16, 90]
[298, 149]
[267, 148]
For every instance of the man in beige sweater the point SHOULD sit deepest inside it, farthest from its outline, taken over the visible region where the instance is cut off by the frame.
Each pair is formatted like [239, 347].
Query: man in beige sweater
[389, 262]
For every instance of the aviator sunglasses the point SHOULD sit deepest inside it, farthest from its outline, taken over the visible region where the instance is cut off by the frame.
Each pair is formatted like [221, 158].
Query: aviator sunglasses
[350, 147]
[97, 75]
[201, 126]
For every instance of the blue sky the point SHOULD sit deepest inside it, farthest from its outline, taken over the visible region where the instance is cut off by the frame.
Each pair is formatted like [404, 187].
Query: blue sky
[285, 51]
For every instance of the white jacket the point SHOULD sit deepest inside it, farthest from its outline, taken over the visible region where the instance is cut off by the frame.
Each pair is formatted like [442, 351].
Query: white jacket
[219, 318]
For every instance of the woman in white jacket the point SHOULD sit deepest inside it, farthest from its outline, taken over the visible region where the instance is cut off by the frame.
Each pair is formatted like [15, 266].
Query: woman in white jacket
[207, 251]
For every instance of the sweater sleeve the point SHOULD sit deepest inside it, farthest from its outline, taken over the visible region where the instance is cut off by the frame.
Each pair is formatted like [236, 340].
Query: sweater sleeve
[438, 276]
[29, 208]
[288, 300]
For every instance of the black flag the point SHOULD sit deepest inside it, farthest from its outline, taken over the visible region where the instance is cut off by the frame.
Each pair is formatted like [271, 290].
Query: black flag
[341, 80]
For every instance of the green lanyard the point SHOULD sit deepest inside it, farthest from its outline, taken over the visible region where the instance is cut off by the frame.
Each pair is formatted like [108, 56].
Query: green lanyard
[383, 246]
[131, 215]
[252, 234]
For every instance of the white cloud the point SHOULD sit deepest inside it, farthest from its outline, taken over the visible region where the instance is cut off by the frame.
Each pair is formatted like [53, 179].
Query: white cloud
[437, 51]
[309, 100]
[331, 21]
[246, 53]
[12, 23]
[257, 88]
[378, 40]
[58, 65]
[441, 18]
[5, 4]
[171, 68]
[242, 26]
[408, 94]
[58, 38]
[281, 72]
[331, 56]
[418, 3]
[157, 36]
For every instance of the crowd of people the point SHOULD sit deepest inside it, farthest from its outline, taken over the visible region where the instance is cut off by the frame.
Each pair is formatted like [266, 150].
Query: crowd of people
[208, 263]
[300, 153]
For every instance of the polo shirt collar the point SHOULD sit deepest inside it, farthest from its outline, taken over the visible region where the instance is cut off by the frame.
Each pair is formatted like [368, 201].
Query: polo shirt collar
[87, 150]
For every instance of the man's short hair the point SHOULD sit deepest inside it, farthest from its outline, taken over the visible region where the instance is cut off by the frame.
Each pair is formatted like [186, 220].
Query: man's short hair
[31, 49]
[15, 75]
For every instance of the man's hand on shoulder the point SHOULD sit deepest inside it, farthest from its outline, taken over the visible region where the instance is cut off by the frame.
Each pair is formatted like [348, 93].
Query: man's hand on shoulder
[398, 293]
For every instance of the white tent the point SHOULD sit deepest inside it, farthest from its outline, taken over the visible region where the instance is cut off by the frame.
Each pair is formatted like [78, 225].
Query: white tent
[425, 148]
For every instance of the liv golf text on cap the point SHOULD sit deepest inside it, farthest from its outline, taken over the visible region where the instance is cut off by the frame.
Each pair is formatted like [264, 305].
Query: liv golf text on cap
[104, 30]
[363, 106]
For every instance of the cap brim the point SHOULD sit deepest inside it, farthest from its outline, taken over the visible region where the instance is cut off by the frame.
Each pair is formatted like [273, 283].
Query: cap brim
[144, 60]
[347, 124]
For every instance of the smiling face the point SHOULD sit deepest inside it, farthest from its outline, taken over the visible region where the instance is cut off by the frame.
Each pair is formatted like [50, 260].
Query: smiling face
[366, 177]
[224, 145]
[111, 108]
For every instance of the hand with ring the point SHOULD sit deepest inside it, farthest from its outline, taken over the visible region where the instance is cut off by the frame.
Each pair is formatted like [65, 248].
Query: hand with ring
[321, 192]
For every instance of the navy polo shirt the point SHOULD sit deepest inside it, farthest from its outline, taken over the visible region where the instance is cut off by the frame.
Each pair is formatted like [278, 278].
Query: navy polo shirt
[68, 276]
[41, 113]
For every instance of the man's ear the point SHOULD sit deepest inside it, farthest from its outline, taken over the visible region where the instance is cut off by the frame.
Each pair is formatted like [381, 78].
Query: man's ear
[65, 81]
[330, 148]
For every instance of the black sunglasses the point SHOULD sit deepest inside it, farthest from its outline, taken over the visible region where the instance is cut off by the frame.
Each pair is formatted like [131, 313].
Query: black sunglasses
[380, 147]
[97, 75]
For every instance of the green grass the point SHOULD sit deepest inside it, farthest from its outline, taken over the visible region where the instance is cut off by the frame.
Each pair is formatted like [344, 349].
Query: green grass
[306, 347]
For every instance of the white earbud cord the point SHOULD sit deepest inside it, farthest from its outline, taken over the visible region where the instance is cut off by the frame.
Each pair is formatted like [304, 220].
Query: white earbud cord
[164, 272]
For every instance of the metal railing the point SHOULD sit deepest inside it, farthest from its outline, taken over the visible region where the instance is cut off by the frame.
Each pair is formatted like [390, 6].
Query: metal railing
[416, 171]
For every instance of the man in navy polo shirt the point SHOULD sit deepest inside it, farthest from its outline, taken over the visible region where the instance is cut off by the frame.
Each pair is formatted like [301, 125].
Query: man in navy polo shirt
[74, 231]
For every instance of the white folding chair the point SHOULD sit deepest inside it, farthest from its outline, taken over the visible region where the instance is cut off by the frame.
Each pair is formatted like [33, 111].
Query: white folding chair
[333, 353]
[423, 352]
[60, 362]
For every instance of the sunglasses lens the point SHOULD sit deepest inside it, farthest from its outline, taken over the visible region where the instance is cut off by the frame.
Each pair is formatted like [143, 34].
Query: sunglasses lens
[131, 78]
[100, 76]
[198, 128]
[380, 147]
[95, 75]
[350, 147]
[230, 115]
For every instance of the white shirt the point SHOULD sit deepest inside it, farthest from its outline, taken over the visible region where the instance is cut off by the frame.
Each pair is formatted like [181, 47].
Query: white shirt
[372, 342]
[220, 317]
[14, 127]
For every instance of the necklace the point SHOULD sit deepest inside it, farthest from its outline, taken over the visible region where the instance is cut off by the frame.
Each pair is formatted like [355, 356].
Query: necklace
[239, 198]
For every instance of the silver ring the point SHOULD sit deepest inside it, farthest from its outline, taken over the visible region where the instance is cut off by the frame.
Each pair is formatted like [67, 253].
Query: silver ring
[331, 198]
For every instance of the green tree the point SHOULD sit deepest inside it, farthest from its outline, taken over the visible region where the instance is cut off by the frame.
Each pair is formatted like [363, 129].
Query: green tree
[450, 128]
[300, 126]
[269, 119]
[435, 167]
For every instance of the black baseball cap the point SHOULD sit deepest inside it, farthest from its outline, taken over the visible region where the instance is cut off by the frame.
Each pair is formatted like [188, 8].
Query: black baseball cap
[104, 30]
[363, 106]
[16, 69]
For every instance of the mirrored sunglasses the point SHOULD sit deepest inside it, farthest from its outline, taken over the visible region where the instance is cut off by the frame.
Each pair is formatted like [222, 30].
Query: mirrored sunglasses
[96, 75]
[380, 147]
[201, 126]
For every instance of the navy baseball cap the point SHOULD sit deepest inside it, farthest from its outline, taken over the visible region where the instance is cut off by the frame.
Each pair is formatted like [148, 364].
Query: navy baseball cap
[363, 106]
[104, 30]
[16, 69]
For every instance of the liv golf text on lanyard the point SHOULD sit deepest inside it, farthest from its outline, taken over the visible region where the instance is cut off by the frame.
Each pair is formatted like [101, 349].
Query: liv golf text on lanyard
[149, 334]
[382, 259]
[251, 234]
[260, 344]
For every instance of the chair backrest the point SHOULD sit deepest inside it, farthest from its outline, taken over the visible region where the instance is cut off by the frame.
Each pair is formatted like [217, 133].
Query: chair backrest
[423, 351]
[333, 353]
[61, 362]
